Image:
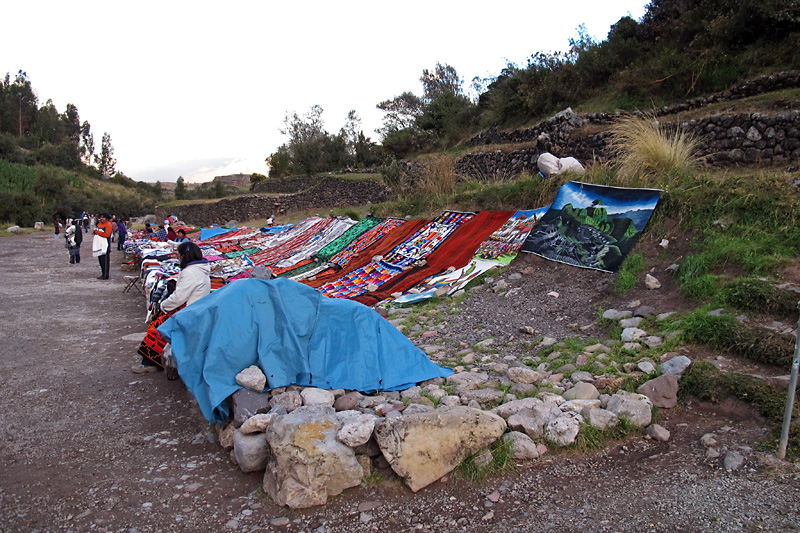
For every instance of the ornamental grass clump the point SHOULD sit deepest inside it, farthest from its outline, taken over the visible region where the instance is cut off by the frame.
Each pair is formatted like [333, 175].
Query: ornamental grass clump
[644, 149]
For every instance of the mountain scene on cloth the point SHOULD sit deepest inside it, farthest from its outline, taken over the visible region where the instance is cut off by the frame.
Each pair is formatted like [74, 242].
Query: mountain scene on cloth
[592, 226]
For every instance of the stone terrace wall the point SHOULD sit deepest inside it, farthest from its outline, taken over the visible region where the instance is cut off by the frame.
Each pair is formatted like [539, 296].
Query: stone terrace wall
[324, 194]
[725, 138]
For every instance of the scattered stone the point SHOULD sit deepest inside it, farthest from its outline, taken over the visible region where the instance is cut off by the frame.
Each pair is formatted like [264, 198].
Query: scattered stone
[257, 423]
[357, 431]
[708, 440]
[676, 366]
[632, 334]
[733, 460]
[657, 432]
[646, 366]
[662, 391]
[553, 294]
[651, 282]
[347, 401]
[613, 314]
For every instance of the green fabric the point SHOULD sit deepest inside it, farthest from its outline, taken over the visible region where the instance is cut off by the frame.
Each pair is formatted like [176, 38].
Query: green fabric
[341, 242]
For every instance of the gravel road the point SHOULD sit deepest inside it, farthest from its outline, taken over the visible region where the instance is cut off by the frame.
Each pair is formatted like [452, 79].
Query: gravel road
[85, 445]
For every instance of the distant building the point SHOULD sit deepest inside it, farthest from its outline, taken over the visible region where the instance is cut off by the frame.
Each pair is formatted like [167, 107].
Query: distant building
[233, 180]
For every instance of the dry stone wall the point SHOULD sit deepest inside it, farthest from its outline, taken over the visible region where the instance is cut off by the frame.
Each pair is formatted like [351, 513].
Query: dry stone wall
[726, 139]
[321, 193]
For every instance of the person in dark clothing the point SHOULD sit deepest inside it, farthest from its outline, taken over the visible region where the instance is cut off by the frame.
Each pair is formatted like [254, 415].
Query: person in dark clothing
[74, 236]
[122, 230]
[171, 235]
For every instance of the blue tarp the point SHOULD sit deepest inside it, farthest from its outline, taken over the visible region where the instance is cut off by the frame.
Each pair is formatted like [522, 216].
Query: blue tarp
[296, 336]
[207, 233]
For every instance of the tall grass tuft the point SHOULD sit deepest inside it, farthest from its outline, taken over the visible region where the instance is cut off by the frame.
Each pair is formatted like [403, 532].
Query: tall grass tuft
[645, 149]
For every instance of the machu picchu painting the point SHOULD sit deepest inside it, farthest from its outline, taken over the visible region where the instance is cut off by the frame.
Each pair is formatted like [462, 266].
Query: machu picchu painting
[592, 226]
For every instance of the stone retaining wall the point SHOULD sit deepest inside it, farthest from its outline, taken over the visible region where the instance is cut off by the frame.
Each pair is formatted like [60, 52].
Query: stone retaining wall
[323, 194]
[726, 139]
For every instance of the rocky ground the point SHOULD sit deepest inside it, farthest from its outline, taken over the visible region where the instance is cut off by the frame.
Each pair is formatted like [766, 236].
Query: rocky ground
[86, 445]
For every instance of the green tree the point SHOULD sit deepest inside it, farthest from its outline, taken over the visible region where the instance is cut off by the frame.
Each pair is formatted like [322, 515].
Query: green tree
[105, 161]
[280, 162]
[158, 191]
[401, 112]
[180, 189]
[255, 177]
[19, 106]
[87, 143]
[49, 128]
[442, 80]
[72, 123]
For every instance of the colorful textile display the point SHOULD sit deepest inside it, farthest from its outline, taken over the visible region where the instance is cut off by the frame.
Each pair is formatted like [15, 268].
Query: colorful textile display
[592, 226]
[341, 242]
[325, 236]
[357, 282]
[456, 252]
[452, 281]
[296, 336]
[427, 239]
[365, 241]
[503, 245]
[287, 243]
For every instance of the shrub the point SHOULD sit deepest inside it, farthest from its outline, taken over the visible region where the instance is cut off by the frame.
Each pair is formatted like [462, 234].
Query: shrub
[643, 148]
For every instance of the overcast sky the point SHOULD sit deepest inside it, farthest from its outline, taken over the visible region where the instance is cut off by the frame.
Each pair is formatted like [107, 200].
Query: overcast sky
[199, 89]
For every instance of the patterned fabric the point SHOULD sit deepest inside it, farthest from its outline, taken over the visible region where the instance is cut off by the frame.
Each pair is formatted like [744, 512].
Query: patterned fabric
[152, 345]
[357, 282]
[503, 245]
[318, 241]
[291, 242]
[341, 242]
[427, 239]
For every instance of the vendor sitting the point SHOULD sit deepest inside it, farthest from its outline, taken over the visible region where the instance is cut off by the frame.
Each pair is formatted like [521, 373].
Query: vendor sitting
[192, 284]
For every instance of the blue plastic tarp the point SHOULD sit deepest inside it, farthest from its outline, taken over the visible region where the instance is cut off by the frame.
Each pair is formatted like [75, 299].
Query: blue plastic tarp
[296, 336]
[207, 233]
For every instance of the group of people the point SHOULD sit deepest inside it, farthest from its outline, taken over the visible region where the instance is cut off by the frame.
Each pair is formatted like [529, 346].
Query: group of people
[105, 229]
[165, 233]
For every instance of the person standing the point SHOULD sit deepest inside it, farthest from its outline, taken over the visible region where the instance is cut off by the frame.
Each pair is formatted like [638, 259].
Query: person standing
[122, 230]
[104, 230]
[74, 236]
[85, 221]
[57, 226]
[113, 227]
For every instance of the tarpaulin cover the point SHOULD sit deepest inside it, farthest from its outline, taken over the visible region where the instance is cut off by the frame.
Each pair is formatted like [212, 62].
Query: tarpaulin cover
[296, 336]
[207, 233]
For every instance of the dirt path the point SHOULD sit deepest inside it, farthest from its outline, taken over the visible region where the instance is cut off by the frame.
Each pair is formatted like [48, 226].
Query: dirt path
[87, 445]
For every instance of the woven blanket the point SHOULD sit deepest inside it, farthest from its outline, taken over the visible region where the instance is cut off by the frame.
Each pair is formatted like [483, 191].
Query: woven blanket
[343, 240]
[503, 245]
[592, 226]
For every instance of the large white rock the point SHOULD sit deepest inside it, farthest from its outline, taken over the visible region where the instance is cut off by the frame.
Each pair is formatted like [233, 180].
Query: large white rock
[257, 423]
[315, 396]
[423, 447]
[467, 380]
[510, 408]
[307, 462]
[252, 377]
[582, 391]
[599, 418]
[636, 407]
[564, 429]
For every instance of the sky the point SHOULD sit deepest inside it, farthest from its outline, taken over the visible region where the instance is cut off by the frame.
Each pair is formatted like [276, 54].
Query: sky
[200, 89]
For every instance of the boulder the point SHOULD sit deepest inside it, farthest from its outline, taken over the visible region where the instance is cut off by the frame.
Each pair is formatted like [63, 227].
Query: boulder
[251, 451]
[290, 400]
[307, 462]
[662, 391]
[257, 423]
[246, 403]
[564, 429]
[423, 447]
[526, 421]
[522, 447]
[314, 396]
[602, 419]
[357, 431]
[510, 408]
[636, 407]
[582, 391]
[676, 366]
[523, 374]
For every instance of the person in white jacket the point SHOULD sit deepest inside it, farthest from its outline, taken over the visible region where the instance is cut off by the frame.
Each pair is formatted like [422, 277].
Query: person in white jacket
[192, 284]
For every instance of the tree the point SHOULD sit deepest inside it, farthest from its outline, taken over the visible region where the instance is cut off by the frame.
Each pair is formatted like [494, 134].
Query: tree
[443, 80]
[401, 113]
[280, 162]
[306, 139]
[87, 143]
[105, 161]
[158, 191]
[350, 131]
[20, 106]
[72, 123]
[49, 128]
[180, 189]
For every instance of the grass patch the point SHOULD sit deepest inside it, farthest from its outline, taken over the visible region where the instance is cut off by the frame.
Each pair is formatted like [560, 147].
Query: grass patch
[501, 462]
[759, 295]
[704, 381]
[628, 273]
[724, 332]
[644, 148]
